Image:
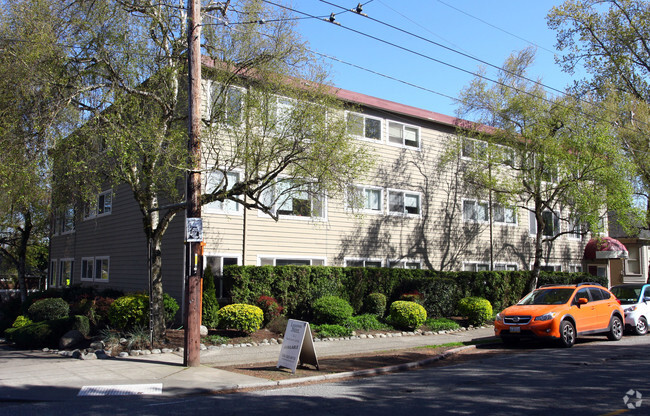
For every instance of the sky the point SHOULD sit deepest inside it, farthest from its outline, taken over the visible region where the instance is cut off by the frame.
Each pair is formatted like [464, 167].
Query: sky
[487, 30]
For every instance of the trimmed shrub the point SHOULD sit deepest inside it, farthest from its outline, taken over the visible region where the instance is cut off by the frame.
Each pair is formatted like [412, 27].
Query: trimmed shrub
[270, 307]
[170, 307]
[210, 305]
[331, 310]
[407, 315]
[441, 324]
[477, 310]
[332, 331]
[21, 321]
[129, 311]
[278, 324]
[48, 309]
[46, 333]
[365, 322]
[375, 304]
[242, 317]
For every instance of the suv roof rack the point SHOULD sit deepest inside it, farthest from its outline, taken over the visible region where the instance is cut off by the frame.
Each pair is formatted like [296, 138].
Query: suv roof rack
[571, 284]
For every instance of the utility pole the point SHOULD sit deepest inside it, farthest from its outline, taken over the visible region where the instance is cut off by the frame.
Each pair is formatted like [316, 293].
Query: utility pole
[194, 229]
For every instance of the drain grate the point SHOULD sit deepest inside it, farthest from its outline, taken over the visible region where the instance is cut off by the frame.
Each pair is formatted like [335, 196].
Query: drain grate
[121, 390]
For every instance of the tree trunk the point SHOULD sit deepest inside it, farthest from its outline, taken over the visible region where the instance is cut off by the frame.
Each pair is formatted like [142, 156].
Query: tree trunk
[539, 249]
[21, 255]
[157, 306]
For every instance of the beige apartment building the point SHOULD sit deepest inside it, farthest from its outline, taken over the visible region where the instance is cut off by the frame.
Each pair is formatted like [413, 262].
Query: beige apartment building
[417, 212]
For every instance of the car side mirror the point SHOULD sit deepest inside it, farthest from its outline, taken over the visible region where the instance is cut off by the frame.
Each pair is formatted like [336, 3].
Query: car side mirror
[646, 299]
[583, 301]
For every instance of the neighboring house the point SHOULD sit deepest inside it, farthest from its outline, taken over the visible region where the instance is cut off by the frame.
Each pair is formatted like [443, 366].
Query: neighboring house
[416, 212]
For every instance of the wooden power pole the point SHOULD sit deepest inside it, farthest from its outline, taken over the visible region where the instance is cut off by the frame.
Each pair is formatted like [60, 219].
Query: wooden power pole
[194, 229]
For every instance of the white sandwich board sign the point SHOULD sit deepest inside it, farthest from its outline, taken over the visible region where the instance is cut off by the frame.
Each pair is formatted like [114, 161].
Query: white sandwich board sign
[297, 346]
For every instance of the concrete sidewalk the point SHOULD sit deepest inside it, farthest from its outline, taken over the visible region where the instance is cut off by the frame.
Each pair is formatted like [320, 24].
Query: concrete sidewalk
[37, 375]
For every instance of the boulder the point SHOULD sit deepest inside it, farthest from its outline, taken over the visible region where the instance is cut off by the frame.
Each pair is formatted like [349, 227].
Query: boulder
[203, 331]
[70, 339]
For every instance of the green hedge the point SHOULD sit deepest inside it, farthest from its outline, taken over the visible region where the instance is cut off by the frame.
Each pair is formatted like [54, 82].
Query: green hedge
[297, 287]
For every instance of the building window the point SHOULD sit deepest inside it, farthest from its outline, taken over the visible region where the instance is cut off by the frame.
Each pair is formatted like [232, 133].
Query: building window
[475, 211]
[363, 263]
[404, 202]
[223, 286]
[551, 224]
[366, 199]
[228, 104]
[476, 267]
[473, 149]
[298, 201]
[102, 206]
[95, 269]
[576, 229]
[404, 264]
[506, 267]
[66, 272]
[575, 268]
[504, 215]
[403, 134]
[64, 221]
[632, 264]
[551, 268]
[53, 281]
[215, 181]
[290, 261]
[363, 126]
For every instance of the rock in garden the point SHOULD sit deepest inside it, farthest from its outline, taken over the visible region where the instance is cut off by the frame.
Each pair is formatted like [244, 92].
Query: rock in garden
[203, 331]
[97, 345]
[70, 339]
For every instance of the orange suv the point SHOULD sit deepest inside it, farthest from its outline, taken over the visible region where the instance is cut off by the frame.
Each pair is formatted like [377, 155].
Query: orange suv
[562, 312]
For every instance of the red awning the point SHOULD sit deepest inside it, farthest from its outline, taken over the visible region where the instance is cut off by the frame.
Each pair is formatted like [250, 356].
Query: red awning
[604, 248]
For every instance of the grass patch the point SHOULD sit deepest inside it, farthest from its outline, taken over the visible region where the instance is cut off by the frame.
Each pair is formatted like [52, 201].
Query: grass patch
[461, 344]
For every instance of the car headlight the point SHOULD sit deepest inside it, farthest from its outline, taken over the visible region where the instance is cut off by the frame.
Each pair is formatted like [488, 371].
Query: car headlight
[630, 309]
[546, 316]
[499, 318]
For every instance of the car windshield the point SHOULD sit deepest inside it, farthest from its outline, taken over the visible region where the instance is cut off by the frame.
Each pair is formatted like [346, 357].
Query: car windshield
[556, 296]
[626, 294]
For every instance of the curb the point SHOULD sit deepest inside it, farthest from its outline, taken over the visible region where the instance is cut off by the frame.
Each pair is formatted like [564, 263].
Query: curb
[346, 375]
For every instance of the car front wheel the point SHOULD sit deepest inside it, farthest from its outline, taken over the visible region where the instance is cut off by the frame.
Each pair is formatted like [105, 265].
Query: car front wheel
[641, 327]
[567, 334]
[615, 329]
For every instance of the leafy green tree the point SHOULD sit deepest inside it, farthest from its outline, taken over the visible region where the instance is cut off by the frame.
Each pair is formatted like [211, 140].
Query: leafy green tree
[134, 71]
[32, 108]
[610, 40]
[551, 156]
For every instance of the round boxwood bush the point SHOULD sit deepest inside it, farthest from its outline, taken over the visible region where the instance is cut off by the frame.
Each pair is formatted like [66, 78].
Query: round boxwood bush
[21, 321]
[170, 307]
[242, 317]
[375, 304]
[129, 311]
[48, 309]
[407, 315]
[477, 310]
[331, 310]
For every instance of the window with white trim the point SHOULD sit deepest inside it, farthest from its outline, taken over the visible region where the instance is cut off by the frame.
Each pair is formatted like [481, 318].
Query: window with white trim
[351, 262]
[67, 269]
[223, 286]
[404, 202]
[364, 126]
[215, 180]
[95, 269]
[103, 205]
[296, 201]
[87, 268]
[101, 269]
[576, 229]
[551, 268]
[475, 211]
[632, 263]
[551, 224]
[506, 267]
[290, 261]
[504, 215]
[403, 134]
[64, 221]
[575, 268]
[227, 104]
[475, 267]
[53, 280]
[473, 149]
[404, 264]
[366, 199]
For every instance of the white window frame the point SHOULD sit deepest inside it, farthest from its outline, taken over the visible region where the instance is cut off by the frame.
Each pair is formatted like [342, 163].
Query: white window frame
[476, 203]
[228, 88]
[404, 127]
[405, 264]
[634, 251]
[85, 261]
[364, 260]
[474, 265]
[404, 194]
[599, 267]
[575, 230]
[64, 221]
[505, 266]
[263, 258]
[365, 117]
[575, 268]
[363, 189]
[226, 207]
[556, 267]
[472, 145]
[532, 223]
[93, 211]
[98, 271]
[62, 277]
[53, 278]
[495, 207]
[278, 201]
